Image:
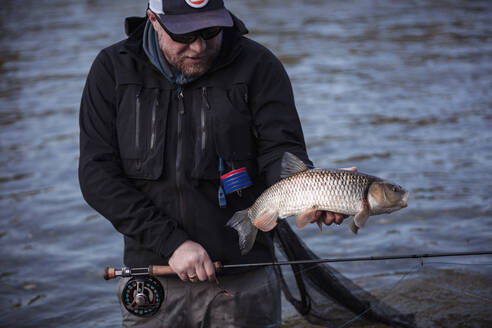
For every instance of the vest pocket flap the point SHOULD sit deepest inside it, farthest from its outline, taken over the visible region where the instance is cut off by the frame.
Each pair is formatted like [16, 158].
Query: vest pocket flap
[148, 169]
[141, 124]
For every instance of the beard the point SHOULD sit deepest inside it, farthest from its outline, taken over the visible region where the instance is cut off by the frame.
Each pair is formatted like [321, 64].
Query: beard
[189, 69]
[194, 69]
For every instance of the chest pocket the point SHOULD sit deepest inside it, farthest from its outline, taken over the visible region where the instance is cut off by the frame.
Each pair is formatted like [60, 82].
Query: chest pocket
[140, 125]
[231, 133]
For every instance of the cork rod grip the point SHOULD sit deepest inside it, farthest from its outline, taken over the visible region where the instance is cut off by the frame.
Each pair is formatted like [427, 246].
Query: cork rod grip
[165, 270]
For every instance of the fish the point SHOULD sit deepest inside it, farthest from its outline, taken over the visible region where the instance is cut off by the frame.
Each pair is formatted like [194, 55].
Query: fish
[302, 191]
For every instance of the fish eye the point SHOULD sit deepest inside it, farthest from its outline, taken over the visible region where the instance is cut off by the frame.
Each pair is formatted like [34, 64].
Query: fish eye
[395, 189]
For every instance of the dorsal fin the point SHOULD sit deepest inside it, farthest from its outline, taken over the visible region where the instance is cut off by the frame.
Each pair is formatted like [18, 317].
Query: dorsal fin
[291, 164]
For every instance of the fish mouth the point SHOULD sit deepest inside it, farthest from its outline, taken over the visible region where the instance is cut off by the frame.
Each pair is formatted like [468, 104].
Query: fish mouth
[404, 200]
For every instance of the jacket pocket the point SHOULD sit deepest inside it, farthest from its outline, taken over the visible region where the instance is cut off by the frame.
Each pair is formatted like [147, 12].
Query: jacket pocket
[233, 128]
[140, 126]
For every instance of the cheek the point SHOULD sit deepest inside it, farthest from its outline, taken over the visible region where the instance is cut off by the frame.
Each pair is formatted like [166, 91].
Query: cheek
[169, 47]
[215, 43]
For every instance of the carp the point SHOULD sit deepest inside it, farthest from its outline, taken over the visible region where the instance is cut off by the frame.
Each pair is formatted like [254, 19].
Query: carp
[302, 191]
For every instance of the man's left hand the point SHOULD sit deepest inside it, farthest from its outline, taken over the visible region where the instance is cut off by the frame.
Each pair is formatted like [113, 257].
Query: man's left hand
[328, 217]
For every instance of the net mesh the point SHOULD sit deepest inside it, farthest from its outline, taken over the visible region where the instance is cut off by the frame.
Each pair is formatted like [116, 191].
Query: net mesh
[323, 295]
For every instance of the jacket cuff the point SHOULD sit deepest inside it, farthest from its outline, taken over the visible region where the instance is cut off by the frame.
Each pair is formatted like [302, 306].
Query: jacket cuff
[170, 244]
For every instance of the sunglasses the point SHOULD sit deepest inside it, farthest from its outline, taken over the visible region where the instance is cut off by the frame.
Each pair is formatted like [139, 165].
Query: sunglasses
[189, 38]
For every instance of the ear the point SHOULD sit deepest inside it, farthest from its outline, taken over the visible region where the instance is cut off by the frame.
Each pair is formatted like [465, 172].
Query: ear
[153, 20]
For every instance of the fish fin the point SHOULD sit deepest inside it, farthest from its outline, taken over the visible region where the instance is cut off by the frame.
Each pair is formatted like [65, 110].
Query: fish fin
[353, 227]
[291, 164]
[306, 217]
[360, 218]
[267, 221]
[241, 222]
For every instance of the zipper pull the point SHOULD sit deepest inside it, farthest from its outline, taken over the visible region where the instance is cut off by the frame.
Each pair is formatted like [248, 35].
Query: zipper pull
[181, 109]
[222, 198]
[205, 98]
[221, 193]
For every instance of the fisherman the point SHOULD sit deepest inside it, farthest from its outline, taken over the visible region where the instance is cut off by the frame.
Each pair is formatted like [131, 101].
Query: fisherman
[169, 118]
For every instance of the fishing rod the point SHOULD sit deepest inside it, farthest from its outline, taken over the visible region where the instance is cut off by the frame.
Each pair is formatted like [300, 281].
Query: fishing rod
[142, 295]
[162, 270]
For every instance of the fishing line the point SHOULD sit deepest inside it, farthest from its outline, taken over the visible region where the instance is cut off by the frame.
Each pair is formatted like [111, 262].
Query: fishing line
[317, 262]
[415, 269]
[457, 263]
[418, 268]
[412, 270]
[458, 291]
[462, 291]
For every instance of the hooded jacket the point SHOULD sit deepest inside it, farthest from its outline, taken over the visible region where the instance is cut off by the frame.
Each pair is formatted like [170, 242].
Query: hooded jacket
[150, 149]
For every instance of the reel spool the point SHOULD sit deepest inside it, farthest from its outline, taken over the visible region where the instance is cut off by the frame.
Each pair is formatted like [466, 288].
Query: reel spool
[142, 296]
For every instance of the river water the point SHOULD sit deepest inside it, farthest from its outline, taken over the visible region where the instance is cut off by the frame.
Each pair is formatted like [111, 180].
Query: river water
[400, 89]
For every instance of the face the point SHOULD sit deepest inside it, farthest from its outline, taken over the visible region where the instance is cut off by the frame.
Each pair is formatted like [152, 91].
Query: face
[192, 59]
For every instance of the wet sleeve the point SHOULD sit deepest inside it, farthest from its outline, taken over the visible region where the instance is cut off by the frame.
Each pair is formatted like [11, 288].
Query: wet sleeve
[277, 125]
[102, 180]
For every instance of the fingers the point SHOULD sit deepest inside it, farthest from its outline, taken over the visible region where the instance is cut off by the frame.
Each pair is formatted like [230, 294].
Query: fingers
[193, 277]
[209, 270]
[200, 273]
[183, 276]
[204, 271]
[339, 218]
[328, 217]
[191, 262]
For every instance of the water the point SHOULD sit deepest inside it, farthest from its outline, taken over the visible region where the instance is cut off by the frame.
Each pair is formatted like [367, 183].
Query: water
[399, 89]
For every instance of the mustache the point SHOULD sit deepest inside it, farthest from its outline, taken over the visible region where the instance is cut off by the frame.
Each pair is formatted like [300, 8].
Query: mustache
[196, 57]
[205, 54]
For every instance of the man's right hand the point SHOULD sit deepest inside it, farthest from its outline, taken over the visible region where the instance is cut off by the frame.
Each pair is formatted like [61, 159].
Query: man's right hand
[192, 263]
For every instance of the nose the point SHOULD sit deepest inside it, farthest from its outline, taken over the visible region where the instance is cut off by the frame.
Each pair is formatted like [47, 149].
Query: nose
[199, 45]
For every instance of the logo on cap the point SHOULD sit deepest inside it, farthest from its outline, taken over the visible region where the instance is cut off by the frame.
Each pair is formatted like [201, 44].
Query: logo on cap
[196, 3]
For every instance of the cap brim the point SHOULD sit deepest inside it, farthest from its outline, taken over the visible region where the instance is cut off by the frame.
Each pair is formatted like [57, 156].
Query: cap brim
[181, 24]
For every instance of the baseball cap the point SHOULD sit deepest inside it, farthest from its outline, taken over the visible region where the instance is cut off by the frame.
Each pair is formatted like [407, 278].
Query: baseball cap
[184, 16]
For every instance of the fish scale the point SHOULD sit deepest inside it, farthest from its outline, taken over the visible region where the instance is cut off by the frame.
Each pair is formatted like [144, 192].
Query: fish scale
[330, 190]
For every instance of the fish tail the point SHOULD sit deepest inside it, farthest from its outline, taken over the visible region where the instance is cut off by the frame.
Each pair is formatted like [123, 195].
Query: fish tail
[241, 222]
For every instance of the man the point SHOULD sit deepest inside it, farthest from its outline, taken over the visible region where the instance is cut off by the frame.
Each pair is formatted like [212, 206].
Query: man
[185, 100]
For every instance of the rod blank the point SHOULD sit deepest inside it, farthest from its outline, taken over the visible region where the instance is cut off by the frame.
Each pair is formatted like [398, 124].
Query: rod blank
[357, 259]
[162, 270]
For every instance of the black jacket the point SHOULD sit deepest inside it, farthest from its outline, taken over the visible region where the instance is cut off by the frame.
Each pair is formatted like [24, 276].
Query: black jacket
[149, 150]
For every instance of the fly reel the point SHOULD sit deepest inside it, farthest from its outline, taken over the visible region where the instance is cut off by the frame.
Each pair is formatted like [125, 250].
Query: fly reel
[142, 296]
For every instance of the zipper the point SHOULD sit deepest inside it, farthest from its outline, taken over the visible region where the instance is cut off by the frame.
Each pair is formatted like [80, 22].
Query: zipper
[138, 163]
[205, 107]
[137, 120]
[181, 112]
[179, 155]
[154, 114]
